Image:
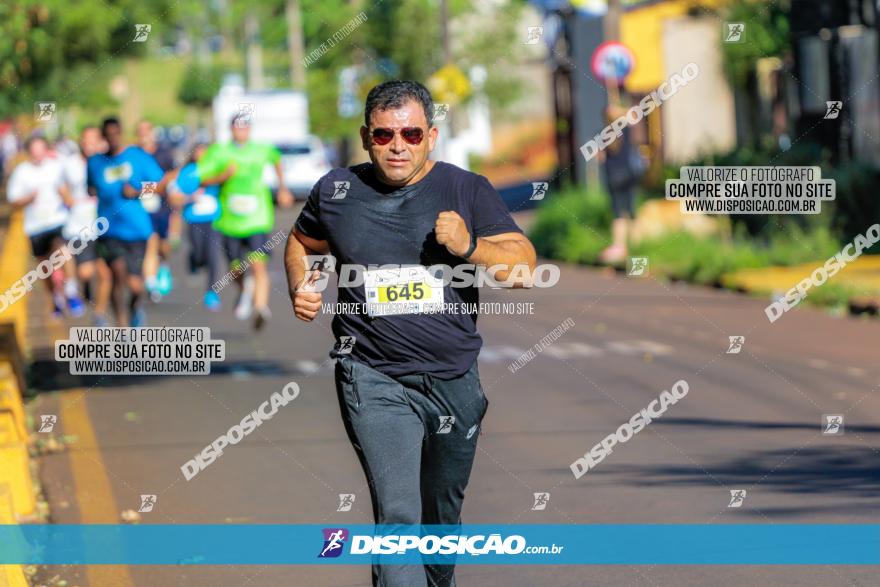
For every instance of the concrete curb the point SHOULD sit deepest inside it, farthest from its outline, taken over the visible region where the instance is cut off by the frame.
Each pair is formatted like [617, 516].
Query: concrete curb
[10, 575]
[17, 499]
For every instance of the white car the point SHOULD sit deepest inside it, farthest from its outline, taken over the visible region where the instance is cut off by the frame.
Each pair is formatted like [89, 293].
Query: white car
[303, 165]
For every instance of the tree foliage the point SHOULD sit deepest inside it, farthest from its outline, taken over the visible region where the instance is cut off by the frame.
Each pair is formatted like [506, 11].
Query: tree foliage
[766, 35]
[64, 51]
[57, 50]
[199, 86]
[403, 40]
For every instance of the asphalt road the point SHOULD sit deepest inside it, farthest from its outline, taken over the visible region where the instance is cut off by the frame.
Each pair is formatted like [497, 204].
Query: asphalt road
[750, 421]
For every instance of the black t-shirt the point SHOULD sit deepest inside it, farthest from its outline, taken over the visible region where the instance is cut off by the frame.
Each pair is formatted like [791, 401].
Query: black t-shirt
[377, 224]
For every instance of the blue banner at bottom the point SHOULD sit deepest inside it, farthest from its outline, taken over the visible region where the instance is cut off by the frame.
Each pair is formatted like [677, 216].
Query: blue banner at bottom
[494, 544]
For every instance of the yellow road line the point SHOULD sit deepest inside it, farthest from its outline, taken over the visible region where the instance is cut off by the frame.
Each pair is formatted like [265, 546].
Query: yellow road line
[94, 495]
[93, 492]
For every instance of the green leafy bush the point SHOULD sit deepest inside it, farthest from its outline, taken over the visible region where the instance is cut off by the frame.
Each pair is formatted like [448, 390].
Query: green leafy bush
[681, 255]
[856, 206]
[573, 225]
[793, 245]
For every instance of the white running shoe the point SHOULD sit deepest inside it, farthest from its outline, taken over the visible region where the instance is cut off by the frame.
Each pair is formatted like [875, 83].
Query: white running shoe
[245, 305]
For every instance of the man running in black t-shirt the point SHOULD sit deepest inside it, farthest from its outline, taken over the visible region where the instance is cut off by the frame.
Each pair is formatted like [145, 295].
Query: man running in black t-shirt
[407, 380]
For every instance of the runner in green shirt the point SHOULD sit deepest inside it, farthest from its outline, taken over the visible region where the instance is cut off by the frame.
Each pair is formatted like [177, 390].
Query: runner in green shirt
[247, 215]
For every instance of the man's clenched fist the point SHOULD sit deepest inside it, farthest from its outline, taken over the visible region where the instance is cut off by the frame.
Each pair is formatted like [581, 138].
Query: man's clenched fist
[452, 232]
[306, 301]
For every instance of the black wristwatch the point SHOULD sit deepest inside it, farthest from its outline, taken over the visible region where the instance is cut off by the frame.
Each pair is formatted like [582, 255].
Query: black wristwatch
[471, 249]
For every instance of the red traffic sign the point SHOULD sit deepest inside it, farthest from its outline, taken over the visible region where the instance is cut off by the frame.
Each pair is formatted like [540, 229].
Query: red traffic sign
[612, 61]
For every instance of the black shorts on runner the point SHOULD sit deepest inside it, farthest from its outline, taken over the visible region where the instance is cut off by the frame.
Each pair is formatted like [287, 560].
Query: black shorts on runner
[42, 244]
[161, 221]
[133, 252]
[240, 249]
[89, 253]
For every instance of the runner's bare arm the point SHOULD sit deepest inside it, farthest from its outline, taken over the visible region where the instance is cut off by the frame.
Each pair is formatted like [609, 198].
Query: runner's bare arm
[64, 192]
[285, 200]
[508, 249]
[129, 191]
[25, 201]
[175, 197]
[298, 246]
[305, 303]
[218, 179]
[169, 176]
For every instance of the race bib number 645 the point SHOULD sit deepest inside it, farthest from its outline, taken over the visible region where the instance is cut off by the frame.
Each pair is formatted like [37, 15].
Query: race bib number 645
[405, 290]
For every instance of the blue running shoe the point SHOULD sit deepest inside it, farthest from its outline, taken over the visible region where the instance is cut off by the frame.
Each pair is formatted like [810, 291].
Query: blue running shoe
[138, 318]
[164, 280]
[75, 307]
[58, 303]
[212, 301]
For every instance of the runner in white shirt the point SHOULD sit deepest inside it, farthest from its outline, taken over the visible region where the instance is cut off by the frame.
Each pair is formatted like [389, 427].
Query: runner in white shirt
[37, 185]
[83, 212]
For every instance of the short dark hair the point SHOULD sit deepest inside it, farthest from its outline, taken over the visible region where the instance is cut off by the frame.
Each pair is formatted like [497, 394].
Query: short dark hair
[196, 147]
[110, 120]
[33, 139]
[238, 116]
[393, 94]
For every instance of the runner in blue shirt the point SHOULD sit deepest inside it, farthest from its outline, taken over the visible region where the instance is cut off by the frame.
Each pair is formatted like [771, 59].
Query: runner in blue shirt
[200, 207]
[118, 178]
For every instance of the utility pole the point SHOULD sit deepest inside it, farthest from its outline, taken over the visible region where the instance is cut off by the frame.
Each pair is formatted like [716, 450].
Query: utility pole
[295, 44]
[611, 30]
[203, 58]
[612, 21]
[254, 54]
[447, 60]
[564, 98]
[444, 31]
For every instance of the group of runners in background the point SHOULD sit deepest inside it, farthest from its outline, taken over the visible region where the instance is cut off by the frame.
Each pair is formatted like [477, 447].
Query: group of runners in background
[218, 192]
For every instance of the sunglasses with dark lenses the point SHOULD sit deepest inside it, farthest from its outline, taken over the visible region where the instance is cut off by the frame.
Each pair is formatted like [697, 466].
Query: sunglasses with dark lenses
[411, 134]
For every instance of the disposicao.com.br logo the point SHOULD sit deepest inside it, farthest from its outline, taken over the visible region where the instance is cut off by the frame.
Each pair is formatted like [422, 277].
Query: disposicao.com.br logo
[334, 540]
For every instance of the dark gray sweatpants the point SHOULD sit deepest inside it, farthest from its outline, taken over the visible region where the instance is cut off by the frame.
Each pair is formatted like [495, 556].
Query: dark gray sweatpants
[417, 460]
[204, 250]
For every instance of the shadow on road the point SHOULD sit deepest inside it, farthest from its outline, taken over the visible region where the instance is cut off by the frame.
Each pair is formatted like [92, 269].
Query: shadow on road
[845, 472]
[48, 375]
[715, 423]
